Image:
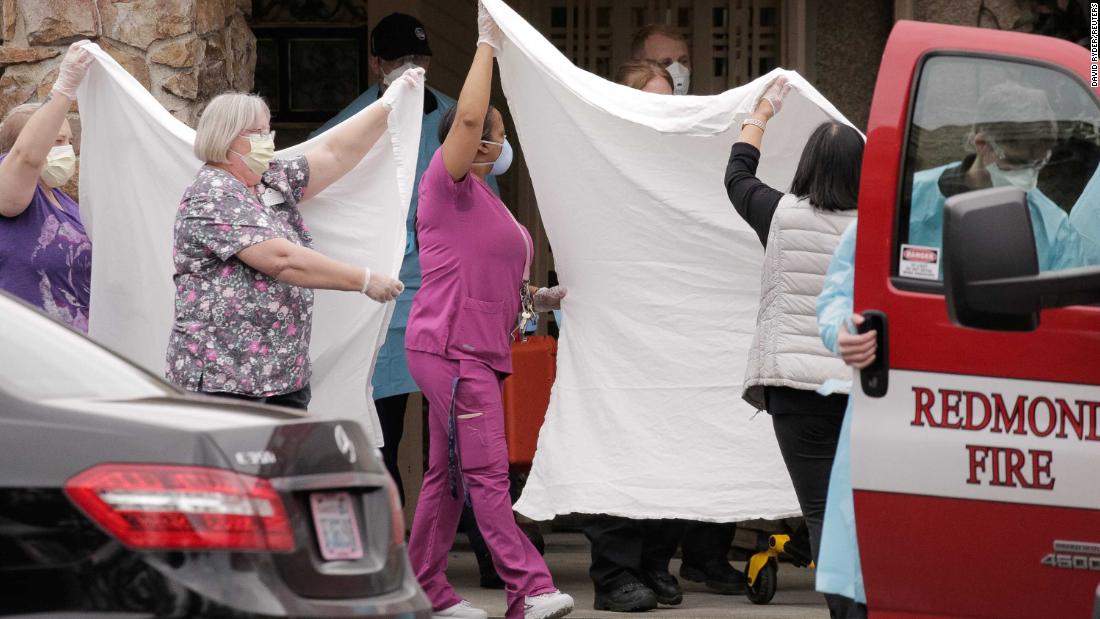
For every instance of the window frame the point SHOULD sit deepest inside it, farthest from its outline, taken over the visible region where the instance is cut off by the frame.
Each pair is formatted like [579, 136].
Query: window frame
[283, 35]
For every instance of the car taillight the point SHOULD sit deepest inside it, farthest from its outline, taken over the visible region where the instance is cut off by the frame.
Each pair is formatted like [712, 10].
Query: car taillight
[397, 515]
[171, 507]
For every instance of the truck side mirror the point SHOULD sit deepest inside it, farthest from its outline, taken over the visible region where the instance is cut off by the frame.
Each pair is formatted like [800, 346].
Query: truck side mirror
[991, 267]
[987, 236]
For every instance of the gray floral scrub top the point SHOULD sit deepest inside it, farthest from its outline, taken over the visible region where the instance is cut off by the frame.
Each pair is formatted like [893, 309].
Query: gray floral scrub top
[237, 330]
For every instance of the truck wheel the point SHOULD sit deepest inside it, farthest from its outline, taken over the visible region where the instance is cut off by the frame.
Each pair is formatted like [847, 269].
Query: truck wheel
[763, 590]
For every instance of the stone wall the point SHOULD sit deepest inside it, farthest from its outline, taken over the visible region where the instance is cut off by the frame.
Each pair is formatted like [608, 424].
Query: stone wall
[850, 35]
[849, 38]
[988, 14]
[183, 51]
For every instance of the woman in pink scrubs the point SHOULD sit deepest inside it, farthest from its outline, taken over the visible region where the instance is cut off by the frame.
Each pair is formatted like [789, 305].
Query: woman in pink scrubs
[475, 258]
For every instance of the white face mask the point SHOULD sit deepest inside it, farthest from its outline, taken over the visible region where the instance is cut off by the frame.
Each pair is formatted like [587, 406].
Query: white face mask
[681, 78]
[389, 78]
[503, 161]
[262, 152]
[60, 166]
[1024, 178]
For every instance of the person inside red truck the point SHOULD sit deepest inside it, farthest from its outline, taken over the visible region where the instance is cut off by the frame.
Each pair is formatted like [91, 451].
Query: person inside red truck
[1012, 139]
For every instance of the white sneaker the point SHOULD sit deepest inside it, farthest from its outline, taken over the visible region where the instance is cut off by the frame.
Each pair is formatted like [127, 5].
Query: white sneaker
[462, 610]
[552, 605]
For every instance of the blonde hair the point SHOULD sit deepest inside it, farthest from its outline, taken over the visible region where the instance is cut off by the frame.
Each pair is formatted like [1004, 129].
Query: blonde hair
[223, 119]
[13, 124]
[638, 73]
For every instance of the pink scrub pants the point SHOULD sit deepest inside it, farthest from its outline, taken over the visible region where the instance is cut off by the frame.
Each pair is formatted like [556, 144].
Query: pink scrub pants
[479, 470]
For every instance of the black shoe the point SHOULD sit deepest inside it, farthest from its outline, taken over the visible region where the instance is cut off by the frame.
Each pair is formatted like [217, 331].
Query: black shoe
[633, 597]
[665, 586]
[719, 577]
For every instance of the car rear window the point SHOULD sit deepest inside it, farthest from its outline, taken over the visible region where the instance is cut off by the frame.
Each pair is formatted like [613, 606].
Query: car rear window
[44, 360]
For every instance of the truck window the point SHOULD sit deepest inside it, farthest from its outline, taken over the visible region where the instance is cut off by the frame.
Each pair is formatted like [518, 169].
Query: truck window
[984, 122]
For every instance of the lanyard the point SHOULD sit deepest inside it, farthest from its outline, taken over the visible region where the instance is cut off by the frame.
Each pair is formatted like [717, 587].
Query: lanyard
[527, 304]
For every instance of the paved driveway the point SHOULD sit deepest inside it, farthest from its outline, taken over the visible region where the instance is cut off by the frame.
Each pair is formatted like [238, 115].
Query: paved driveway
[568, 556]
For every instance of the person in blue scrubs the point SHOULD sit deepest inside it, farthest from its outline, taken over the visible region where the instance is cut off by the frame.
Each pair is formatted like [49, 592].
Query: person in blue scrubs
[397, 43]
[1012, 141]
[838, 569]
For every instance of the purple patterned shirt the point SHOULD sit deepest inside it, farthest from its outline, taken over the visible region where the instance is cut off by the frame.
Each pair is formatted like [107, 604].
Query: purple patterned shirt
[46, 258]
[237, 330]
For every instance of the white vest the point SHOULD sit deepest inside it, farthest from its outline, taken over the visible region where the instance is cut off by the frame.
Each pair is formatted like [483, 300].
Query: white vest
[787, 350]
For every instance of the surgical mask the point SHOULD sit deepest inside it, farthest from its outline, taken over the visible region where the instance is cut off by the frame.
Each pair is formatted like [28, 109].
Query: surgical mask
[681, 78]
[390, 77]
[1024, 178]
[262, 152]
[60, 166]
[503, 162]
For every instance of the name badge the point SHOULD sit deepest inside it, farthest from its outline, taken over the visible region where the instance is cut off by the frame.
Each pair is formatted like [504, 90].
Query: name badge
[271, 197]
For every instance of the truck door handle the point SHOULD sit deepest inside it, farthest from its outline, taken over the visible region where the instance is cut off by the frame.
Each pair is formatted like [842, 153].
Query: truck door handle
[875, 378]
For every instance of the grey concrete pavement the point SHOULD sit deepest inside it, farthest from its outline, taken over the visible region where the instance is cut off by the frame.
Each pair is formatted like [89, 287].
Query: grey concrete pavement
[568, 556]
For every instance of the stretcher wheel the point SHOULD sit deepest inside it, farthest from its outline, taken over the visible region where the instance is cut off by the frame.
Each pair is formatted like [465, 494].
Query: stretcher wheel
[763, 590]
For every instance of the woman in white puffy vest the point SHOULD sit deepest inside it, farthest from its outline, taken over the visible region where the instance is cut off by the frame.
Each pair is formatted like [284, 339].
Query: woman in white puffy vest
[787, 362]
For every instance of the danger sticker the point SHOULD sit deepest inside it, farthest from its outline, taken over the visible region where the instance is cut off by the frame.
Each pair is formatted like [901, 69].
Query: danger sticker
[920, 262]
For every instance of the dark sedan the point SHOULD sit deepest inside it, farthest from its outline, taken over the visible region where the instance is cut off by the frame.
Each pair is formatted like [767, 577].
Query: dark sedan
[120, 494]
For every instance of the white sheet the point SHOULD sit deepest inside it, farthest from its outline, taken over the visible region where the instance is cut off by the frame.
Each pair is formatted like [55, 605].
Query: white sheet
[136, 161]
[646, 418]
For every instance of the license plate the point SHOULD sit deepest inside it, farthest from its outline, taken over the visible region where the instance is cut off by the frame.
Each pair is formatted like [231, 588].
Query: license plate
[335, 523]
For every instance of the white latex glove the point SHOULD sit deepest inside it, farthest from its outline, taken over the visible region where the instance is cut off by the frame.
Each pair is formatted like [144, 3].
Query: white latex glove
[381, 288]
[774, 95]
[547, 299]
[487, 29]
[74, 66]
[408, 81]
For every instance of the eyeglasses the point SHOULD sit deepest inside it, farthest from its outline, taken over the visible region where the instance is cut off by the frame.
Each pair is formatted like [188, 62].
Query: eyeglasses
[1006, 162]
[259, 134]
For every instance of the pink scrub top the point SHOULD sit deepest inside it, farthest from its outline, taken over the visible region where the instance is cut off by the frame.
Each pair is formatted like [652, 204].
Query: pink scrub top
[473, 257]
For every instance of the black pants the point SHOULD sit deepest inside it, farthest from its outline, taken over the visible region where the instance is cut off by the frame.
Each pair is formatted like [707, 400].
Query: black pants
[295, 399]
[391, 416]
[807, 428]
[623, 548]
[705, 542]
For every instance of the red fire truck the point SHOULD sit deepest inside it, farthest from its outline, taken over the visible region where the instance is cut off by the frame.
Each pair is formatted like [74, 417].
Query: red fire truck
[976, 435]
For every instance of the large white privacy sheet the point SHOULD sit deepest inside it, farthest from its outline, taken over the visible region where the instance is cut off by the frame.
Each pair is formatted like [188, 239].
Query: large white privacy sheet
[646, 418]
[136, 161]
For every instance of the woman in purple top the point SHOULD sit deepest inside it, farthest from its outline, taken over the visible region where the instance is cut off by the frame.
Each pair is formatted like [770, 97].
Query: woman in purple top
[45, 255]
[475, 259]
[245, 270]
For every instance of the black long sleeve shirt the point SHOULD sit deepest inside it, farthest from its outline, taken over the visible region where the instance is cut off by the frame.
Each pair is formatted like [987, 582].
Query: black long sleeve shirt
[753, 199]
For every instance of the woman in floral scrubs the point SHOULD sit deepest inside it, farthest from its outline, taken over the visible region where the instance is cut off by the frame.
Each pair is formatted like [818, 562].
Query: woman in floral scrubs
[245, 270]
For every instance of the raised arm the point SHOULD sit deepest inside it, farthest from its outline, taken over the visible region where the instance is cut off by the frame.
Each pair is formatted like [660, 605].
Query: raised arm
[754, 200]
[345, 146]
[20, 170]
[460, 147]
[751, 197]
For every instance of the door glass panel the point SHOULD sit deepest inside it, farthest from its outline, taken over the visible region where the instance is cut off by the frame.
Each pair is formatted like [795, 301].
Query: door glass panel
[979, 123]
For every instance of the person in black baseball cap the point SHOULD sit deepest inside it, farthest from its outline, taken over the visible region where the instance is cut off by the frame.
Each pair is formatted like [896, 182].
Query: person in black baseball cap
[396, 43]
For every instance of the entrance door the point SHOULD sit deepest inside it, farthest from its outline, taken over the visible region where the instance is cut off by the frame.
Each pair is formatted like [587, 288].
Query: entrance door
[975, 475]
